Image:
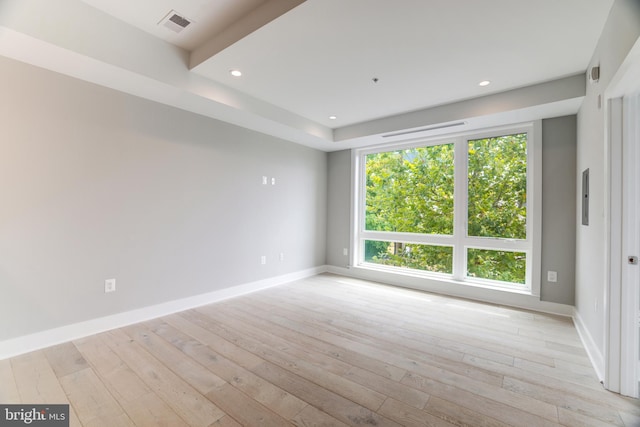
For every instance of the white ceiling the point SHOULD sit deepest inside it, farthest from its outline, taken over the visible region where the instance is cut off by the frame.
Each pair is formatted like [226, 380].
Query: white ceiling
[320, 58]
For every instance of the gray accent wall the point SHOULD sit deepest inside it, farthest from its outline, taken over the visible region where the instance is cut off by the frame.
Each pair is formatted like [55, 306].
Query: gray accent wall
[339, 208]
[558, 209]
[96, 184]
[558, 205]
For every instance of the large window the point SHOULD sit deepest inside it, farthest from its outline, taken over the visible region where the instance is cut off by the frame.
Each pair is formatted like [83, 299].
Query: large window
[459, 208]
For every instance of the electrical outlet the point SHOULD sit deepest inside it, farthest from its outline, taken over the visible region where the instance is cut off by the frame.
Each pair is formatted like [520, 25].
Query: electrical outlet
[263, 259]
[109, 285]
[345, 251]
[552, 276]
[281, 256]
[264, 180]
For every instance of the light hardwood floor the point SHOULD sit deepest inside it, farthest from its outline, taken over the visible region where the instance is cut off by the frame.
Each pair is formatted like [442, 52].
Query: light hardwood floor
[326, 351]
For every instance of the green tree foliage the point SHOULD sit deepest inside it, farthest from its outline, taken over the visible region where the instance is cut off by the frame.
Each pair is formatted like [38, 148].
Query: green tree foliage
[497, 265]
[410, 255]
[498, 187]
[412, 191]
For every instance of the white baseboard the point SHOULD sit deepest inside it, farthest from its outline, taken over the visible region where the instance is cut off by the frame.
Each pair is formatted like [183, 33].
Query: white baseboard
[454, 289]
[25, 344]
[594, 353]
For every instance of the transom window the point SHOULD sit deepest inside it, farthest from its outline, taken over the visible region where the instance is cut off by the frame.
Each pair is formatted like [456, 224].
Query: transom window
[460, 208]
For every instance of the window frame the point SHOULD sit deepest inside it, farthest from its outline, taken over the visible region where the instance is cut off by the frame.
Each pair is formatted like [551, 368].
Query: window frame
[459, 239]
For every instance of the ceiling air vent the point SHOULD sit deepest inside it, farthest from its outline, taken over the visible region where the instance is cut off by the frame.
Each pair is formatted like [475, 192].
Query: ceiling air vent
[175, 21]
[444, 126]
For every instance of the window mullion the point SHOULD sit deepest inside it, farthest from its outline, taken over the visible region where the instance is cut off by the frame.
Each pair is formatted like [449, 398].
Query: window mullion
[495, 243]
[460, 209]
[435, 239]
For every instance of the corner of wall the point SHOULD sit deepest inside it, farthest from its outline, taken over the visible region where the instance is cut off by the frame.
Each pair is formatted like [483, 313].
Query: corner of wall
[593, 351]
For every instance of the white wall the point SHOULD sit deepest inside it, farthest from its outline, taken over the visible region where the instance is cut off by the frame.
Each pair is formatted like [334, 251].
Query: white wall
[620, 33]
[97, 184]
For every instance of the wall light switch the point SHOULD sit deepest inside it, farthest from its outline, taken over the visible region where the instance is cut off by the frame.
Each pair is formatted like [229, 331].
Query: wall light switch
[109, 285]
[264, 180]
[263, 259]
[345, 251]
[552, 276]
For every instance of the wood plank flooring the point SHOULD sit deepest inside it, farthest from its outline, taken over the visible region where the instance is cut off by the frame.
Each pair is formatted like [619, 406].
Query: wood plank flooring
[326, 351]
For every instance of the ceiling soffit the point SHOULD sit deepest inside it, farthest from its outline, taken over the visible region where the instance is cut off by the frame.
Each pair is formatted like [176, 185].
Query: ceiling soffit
[136, 62]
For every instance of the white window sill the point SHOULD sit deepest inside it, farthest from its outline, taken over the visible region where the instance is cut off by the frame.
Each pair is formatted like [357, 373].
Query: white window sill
[444, 279]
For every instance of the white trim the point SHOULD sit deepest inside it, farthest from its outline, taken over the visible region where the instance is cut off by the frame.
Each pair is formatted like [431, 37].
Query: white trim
[613, 245]
[355, 199]
[630, 246]
[592, 349]
[617, 293]
[535, 228]
[20, 345]
[460, 209]
[458, 290]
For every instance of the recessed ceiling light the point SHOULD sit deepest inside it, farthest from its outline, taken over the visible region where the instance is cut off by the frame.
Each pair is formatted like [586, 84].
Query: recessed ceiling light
[236, 73]
[333, 117]
[484, 83]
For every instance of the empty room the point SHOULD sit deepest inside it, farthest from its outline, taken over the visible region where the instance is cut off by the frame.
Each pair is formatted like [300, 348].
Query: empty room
[319, 213]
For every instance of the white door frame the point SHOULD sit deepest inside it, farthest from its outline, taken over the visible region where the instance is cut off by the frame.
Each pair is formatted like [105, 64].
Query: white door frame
[623, 155]
[630, 245]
